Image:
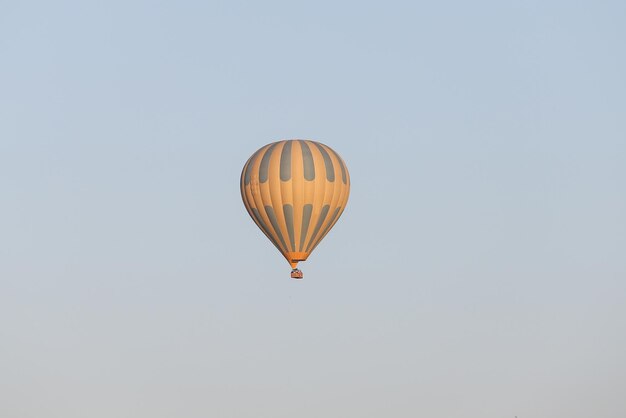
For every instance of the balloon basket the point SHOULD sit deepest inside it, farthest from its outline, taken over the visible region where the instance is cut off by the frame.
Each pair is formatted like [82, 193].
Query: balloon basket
[296, 274]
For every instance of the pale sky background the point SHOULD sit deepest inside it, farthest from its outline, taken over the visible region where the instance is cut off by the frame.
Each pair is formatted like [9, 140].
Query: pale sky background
[478, 271]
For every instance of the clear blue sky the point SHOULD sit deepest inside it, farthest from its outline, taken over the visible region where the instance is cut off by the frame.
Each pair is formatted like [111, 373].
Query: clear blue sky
[478, 271]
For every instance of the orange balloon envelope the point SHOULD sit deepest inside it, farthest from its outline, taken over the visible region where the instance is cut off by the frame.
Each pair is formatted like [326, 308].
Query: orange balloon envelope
[295, 191]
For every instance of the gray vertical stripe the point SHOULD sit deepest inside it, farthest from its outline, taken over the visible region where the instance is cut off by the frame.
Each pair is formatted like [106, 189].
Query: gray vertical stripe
[307, 161]
[319, 225]
[328, 163]
[264, 227]
[249, 168]
[270, 213]
[306, 219]
[265, 163]
[344, 177]
[288, 211]
[285, 162]
[332, 220]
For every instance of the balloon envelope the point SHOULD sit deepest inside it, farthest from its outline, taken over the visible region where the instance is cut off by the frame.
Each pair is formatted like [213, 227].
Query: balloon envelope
[295, 191]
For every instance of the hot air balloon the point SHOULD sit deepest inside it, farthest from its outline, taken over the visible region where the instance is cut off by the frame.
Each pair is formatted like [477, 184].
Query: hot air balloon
[295, 191]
